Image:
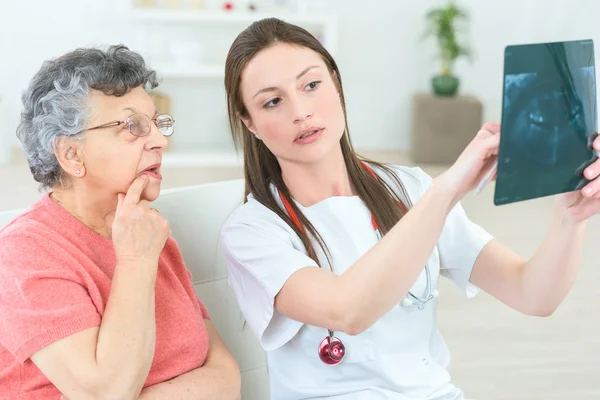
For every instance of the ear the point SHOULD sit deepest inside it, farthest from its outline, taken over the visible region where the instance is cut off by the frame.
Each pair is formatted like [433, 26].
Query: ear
[69, 154]
[250, 126]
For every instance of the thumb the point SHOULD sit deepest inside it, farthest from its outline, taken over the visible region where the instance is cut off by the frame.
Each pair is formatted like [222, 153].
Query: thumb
[491, 127]
[490, 144]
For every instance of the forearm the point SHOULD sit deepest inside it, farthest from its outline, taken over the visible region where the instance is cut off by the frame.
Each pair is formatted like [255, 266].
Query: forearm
[126, 338]
[214, 382]
[387, 271]
[549, 275]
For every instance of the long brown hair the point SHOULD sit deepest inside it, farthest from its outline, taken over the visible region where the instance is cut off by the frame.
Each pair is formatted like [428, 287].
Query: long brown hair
[261, 168]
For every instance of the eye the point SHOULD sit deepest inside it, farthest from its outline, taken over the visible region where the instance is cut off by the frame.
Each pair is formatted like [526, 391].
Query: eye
[272, 103]
[139, 125]
[312, 85]
[165, 123]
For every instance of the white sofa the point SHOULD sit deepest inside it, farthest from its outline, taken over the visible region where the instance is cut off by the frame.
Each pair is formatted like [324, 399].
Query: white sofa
[196, 214]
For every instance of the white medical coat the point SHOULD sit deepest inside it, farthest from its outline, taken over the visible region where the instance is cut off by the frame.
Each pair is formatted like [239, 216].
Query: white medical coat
[402, 356]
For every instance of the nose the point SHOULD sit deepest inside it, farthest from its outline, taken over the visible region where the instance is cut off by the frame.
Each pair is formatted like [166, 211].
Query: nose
[301, 109]
[156, 140]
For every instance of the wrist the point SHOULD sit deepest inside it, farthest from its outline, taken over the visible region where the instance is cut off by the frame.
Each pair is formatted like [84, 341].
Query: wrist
[446, 191]
[566, 217]
[135, 261]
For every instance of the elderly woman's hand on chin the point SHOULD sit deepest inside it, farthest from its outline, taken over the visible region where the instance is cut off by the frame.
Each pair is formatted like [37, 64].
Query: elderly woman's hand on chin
[99, 301]
[138, 230]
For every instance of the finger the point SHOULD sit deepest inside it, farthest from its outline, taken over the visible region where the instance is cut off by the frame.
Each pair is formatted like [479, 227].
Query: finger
[593, 170]
[576, 202]
[581, 169]
[135, 190]
[490, 144]
[587, 208]
[596, 142]
[492, 127]
[120, 198]
[591, 189]
[145, 204]
[484, 133]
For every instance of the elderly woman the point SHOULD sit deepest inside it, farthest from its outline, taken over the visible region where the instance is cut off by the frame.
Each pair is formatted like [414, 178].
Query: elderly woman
[96, 302]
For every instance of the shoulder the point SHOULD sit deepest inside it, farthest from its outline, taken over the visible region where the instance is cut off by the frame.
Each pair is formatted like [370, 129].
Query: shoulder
[35, 242]
[253, 214]
[413, 176]
[25, 230]
[413, 180]
[39, 221]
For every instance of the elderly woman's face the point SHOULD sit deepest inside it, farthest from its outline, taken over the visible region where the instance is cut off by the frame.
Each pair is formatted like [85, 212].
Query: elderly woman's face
[113, 157]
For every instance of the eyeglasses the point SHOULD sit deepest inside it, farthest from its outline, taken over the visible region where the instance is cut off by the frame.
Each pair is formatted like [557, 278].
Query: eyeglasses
[139, 124]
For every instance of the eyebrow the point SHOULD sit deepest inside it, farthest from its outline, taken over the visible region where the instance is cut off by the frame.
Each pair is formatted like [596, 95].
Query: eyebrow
[300, 75]
[133, 110]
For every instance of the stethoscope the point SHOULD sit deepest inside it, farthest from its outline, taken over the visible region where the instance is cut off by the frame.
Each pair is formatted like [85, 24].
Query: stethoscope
[331, 349]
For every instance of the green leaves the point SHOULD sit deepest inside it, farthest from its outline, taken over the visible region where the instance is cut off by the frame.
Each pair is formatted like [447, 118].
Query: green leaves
[441, 23]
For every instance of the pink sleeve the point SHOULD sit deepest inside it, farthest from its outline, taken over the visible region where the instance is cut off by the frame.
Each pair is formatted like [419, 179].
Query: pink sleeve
[43, 298]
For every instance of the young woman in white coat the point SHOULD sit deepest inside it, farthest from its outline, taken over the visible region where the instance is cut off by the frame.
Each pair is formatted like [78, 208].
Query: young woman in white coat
[335, 259]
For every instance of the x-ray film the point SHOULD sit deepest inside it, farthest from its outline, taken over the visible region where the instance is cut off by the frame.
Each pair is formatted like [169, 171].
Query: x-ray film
[549, 120]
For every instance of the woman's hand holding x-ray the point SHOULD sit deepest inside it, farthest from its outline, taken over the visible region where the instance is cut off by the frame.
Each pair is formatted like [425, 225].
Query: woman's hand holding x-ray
[478, 158]
[582, 204]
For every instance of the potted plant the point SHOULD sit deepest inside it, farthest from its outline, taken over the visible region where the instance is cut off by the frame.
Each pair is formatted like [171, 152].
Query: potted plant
[441, 23]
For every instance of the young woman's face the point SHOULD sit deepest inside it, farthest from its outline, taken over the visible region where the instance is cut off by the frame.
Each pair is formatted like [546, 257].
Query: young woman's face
[293, 104]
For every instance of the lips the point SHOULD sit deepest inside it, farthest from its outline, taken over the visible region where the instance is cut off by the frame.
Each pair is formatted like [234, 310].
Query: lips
[305, 135]
[153, 171]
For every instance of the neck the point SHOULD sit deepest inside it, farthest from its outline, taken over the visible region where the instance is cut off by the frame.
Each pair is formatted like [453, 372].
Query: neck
[311, 183]
[96, 212]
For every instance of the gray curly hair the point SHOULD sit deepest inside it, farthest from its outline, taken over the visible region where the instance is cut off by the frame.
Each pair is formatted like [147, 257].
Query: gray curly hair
[56, 101]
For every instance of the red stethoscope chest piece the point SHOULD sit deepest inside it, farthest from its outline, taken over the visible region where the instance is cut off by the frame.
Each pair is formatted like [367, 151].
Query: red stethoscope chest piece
[332, 350]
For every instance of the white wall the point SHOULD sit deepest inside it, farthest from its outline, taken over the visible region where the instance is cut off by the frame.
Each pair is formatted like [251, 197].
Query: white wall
[380, 52]
[384, 61]
[35, 30]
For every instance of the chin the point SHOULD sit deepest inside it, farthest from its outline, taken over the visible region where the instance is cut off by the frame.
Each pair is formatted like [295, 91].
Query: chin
[151, 192]
[321, 152]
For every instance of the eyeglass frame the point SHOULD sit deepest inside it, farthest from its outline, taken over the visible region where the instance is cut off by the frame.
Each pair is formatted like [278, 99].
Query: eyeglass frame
[119, 123]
